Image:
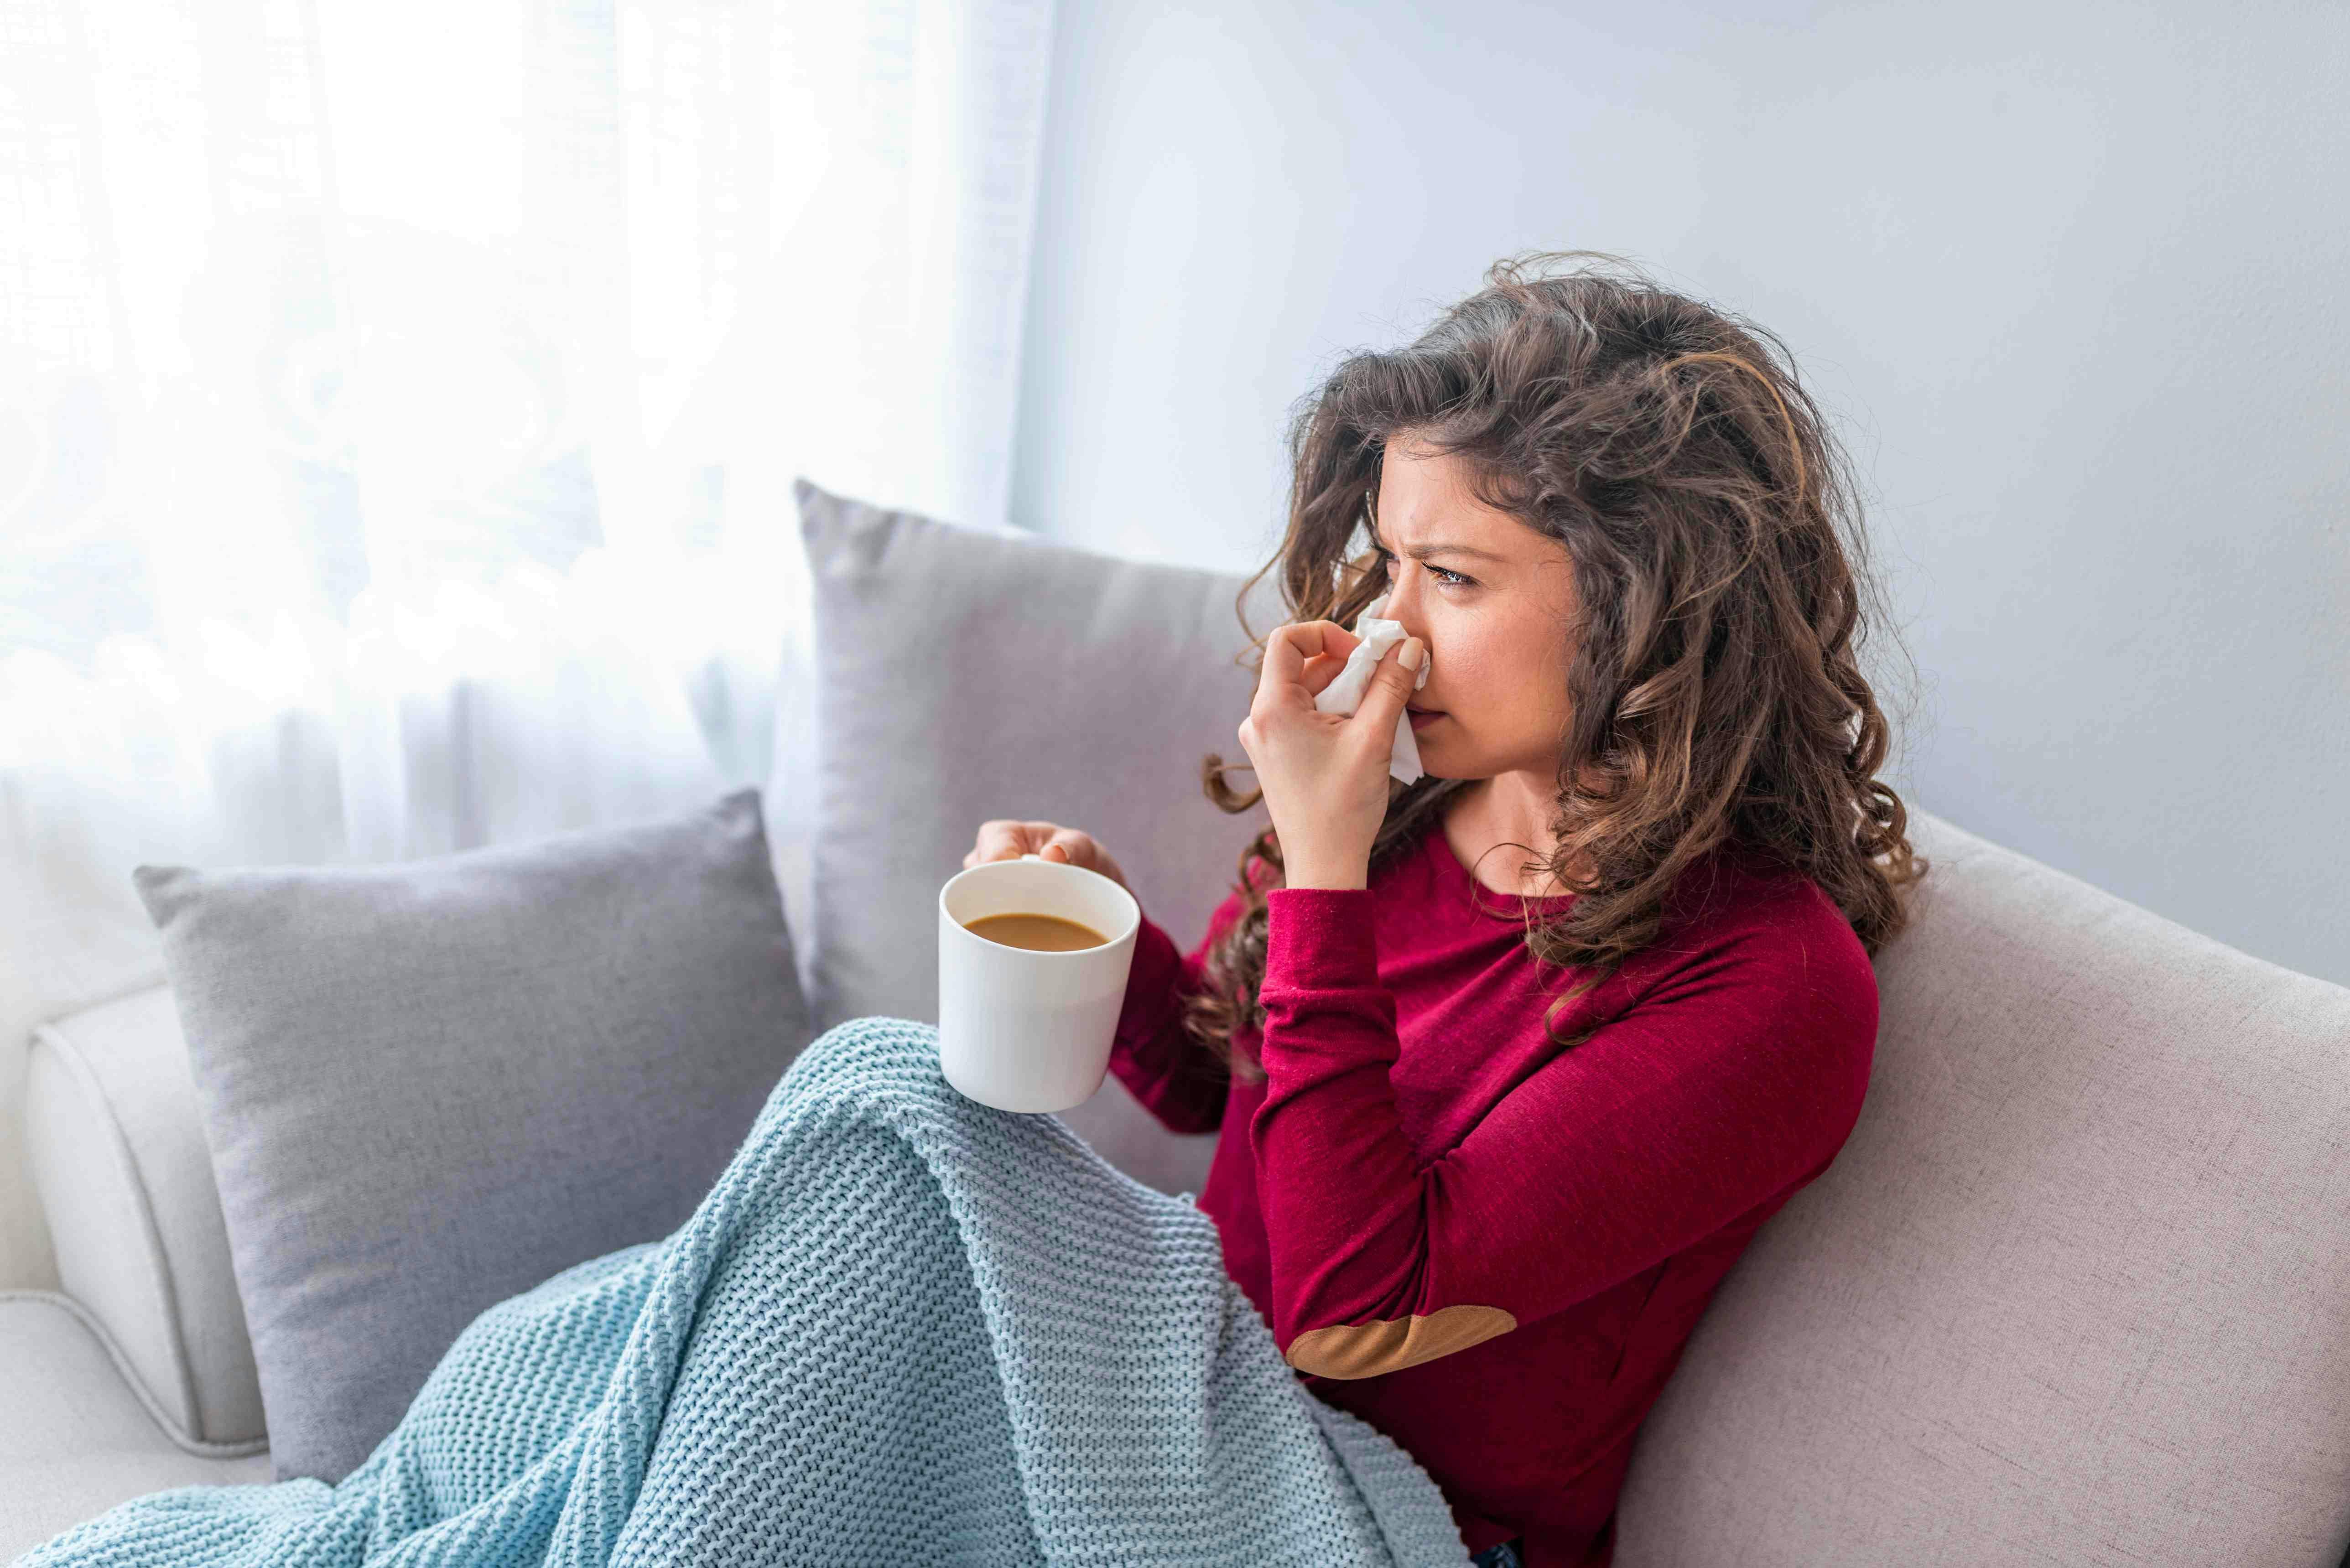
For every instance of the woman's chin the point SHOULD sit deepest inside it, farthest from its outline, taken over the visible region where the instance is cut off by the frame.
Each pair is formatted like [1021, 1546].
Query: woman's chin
[1449, 754]
[1431, 756]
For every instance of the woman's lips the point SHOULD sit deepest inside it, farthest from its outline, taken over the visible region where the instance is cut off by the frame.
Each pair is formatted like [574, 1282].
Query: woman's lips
[1421, 718]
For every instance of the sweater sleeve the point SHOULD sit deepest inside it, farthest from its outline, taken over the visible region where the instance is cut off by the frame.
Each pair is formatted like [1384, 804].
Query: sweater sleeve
[1733, 1079]
[1172, 1074]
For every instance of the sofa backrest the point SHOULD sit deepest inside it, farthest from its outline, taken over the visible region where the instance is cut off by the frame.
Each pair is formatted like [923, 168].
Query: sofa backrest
[2077, 1288]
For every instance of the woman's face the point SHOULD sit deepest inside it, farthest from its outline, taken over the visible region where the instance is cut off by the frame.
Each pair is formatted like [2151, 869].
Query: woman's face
[1494, 602]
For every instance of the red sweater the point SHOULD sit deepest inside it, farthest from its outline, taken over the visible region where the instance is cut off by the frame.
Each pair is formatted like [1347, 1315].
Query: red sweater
[1490, 1248]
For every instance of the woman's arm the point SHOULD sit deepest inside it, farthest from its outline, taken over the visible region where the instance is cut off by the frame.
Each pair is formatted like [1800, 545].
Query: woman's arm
[1734, 1080]
[1174, 1077]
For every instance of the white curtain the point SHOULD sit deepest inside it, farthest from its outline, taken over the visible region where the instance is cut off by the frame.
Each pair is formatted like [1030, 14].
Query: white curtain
[399, 403]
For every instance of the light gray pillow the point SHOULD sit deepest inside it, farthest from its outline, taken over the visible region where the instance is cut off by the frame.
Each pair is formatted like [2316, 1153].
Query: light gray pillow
[962, 675]
[429, 1085]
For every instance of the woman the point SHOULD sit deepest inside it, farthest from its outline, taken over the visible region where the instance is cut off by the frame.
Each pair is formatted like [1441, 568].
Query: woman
[1513, 1060]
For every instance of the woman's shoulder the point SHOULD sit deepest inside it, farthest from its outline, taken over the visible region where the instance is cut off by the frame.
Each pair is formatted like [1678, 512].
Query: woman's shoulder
[1743, 905]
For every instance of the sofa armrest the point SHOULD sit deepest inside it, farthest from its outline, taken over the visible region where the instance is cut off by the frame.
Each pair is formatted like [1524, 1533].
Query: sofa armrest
[74, 1438]
[125, 1178]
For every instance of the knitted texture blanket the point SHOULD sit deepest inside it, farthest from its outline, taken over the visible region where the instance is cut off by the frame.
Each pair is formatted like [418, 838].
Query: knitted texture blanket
[902, 1327]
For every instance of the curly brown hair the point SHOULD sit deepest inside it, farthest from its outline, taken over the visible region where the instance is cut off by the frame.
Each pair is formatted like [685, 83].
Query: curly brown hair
[1719, 560]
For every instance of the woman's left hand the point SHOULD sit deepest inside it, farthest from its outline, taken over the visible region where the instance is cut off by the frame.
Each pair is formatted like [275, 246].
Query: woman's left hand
[1325, 775]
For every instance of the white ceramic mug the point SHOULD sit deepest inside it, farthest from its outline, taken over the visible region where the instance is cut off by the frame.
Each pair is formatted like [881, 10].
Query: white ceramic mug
[1019, 1029]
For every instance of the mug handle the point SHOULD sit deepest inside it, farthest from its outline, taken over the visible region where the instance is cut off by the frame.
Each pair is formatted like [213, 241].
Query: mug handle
[1032, 857]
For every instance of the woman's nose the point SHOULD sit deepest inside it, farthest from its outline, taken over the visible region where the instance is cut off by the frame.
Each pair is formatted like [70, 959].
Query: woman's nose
[1403, 603]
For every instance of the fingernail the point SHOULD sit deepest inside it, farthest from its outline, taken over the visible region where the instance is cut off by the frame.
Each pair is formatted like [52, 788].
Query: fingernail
[1412, 653]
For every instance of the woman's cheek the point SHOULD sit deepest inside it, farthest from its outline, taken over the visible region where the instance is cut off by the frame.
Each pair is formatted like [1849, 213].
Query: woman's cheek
[1462, 672]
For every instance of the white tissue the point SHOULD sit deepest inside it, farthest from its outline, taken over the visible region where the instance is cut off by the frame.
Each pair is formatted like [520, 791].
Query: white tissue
[1344, 694]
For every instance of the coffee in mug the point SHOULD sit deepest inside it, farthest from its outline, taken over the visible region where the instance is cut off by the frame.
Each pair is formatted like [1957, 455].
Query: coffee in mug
[1038, 933]
[1026, 1019]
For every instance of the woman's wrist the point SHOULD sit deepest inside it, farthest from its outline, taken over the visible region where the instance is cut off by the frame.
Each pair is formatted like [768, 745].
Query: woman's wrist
[1310, 860]
[1331, 876]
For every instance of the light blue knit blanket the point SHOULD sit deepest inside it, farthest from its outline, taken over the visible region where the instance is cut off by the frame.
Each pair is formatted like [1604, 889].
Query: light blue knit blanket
[902, 1328]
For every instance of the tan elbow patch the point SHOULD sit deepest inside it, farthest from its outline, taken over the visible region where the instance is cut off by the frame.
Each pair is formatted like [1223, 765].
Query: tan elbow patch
[1367, 1349]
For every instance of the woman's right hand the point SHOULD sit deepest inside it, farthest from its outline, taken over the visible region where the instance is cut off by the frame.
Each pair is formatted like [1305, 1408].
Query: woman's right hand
[1007, 840]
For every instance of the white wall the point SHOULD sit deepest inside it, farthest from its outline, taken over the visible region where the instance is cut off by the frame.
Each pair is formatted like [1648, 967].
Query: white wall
[2072, 277]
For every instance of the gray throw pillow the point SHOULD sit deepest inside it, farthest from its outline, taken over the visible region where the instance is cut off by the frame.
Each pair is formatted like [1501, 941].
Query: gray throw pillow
[962, 675]
[432, 1084]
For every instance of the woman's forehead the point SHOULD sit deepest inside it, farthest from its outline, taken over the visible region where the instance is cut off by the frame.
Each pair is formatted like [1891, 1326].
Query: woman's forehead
[1426, 502]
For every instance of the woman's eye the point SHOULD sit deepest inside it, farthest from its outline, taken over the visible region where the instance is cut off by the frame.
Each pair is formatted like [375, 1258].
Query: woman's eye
[1386, 562]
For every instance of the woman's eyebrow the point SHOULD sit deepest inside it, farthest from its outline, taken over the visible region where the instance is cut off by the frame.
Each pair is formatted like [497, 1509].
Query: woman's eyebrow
[1422, 552]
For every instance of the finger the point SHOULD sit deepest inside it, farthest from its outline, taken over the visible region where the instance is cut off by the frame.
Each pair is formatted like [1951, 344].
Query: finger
[1069, 845]
[1393, 681]
[1320, 670]
[1078, 848]
[1006, 839]
[1289, 647]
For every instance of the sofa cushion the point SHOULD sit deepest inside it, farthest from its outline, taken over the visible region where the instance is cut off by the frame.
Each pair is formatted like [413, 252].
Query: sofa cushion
[964, 675]
[429, 1085]
[74, 1439]
[117, 1154]
[2074, 1291]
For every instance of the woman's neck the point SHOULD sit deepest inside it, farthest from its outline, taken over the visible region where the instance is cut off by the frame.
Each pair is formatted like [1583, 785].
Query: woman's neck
[1497, 824]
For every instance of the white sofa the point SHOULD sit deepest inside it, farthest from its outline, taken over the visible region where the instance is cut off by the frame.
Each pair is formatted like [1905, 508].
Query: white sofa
[2077, 1290]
